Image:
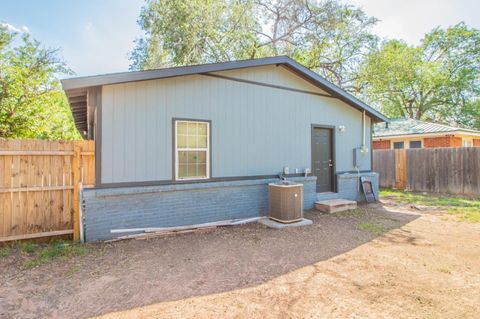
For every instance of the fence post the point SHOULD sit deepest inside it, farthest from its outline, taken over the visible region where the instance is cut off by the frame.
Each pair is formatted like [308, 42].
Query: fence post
[401, 169]
[76, 167]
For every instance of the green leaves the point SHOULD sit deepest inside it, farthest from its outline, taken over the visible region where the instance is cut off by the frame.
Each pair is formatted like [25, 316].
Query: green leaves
[31, 102]
[193, 32]
[436, 80]
[326, 36]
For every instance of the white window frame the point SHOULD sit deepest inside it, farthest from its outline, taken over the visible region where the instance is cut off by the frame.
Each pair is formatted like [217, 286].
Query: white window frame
[466, 141]
[206, 149]
[421, 144]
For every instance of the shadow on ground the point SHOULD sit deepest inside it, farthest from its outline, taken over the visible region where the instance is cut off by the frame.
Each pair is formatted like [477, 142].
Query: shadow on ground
[134, 273]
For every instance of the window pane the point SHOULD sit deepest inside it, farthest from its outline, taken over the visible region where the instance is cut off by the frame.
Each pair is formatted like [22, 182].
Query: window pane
[182, 171]
[192, 170]
[192, 128]
[202, 141]
[202, 157]
[398, 145]
[202, 128]
[182, 128]
[415, 144]
[182, 141]
[182, 157]
[192, 141]
[202, 170]
[192, 157]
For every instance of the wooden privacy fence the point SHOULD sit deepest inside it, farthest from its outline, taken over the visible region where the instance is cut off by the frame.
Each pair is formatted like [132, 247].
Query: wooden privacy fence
[40, 185]
[439, 170]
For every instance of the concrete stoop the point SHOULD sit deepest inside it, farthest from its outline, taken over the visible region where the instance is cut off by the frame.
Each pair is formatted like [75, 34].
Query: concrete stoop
[335, 205]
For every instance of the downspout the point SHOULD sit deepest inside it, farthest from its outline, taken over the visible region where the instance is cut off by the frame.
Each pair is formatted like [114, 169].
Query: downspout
[363, 149]
[82, 229]
[363, 131]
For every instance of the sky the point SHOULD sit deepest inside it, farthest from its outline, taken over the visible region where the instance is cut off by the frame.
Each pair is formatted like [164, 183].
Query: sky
[96, 36]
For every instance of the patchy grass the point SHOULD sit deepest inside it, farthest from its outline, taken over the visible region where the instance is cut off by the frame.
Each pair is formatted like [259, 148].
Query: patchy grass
[5, 252]
[34, 254]
[73, 270]
[374, 228]
[358, 212]
[27, 247]
[466, 208]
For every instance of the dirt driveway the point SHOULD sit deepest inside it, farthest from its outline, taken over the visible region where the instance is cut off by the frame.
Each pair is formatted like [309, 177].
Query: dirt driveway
[388, 260]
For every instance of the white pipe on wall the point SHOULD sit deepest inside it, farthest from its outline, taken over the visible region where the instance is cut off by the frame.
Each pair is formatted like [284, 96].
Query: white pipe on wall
[363, 129]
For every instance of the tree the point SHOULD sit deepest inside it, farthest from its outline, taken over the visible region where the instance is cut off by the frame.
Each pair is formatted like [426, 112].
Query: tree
[328, 37]
[31, 102]
[436, 80]
[193, 32]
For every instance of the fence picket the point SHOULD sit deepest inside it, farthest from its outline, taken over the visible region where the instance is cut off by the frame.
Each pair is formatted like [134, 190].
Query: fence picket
[441, 170]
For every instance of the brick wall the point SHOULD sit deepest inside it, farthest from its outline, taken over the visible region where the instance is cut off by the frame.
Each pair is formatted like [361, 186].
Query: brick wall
[443, 141]
[476, 142]
[348, 187]
[177, 205]
[383, 144]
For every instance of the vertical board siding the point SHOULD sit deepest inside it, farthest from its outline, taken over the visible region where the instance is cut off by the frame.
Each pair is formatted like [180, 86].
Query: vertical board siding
[36, 188]
[280, 76]
[440, 170]
[255, 130]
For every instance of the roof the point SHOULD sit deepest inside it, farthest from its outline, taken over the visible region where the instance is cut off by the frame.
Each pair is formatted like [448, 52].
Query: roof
[75, 86]
[401, 127]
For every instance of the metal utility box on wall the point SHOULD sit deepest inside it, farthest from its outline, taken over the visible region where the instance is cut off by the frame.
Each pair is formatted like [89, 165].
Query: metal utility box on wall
[360, 157]
[285, 202]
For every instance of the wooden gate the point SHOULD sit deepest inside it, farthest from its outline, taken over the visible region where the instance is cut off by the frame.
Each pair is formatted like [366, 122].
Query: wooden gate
[40, 185]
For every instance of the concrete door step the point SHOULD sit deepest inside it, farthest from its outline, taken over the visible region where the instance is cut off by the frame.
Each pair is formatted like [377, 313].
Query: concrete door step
[335, 205]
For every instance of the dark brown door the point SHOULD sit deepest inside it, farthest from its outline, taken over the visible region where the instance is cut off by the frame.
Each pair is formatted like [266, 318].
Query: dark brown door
[322, 158]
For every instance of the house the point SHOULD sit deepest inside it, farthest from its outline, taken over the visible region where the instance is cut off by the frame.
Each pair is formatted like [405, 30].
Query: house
[195, 144]
[410, 133]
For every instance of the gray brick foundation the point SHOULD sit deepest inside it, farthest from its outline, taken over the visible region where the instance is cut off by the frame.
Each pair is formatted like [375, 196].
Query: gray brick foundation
[177, 205]
[348, 187]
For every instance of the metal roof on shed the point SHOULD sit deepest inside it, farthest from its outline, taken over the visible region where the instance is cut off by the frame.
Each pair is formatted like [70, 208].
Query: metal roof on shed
[398, 127]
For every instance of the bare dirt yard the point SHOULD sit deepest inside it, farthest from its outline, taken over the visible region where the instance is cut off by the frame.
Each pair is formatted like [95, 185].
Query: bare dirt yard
[387, 260]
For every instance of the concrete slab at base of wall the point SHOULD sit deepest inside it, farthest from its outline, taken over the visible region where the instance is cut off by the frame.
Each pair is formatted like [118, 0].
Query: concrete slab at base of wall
[178, 204]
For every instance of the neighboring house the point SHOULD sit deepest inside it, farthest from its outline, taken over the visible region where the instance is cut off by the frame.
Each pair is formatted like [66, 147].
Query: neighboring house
[196, 144]
[410, 133]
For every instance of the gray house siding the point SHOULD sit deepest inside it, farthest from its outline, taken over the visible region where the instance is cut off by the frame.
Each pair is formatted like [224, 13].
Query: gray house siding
[256, 130]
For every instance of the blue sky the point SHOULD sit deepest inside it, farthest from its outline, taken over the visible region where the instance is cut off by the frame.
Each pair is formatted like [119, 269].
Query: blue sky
[95, 36]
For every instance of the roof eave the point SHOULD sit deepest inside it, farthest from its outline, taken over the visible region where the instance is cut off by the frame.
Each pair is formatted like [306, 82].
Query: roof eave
[122, 77]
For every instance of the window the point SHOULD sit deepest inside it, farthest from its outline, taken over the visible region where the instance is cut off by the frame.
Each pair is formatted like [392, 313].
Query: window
[415, 144]
[397, 145]
[467, 143]
[192, 150]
